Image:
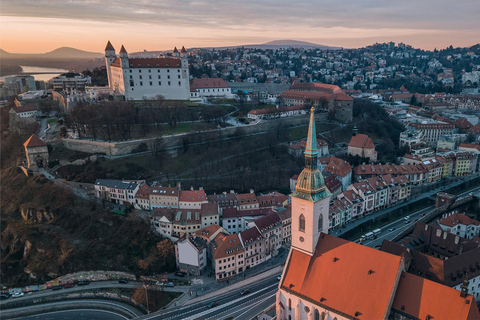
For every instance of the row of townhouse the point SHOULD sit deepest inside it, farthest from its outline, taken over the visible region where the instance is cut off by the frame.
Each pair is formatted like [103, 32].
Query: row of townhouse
[451, 164]
[117, 191]
[368, 196]
[151, 197]
[175, 222]
[226, 255]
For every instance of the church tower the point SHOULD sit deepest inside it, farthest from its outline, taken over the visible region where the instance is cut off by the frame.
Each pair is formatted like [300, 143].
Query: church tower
[110, 56]
[310, 201]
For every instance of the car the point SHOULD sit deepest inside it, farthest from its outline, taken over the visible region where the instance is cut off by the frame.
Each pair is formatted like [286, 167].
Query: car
[169, 284]
[213, 304]
[4, 296]
[415, 220]
[17, 294]
[180, 274]
[123, 281]
[55, 288]
[422, 214]
[149, 282]
[69, 285]
[391, 229]
[244, 292]
[83, 283]
[407, 221]
[279, 278]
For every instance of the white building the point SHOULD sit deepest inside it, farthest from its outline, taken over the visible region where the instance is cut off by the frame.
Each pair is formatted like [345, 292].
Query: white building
[201, 89]
[71, 82]
[139, 78]
[191, 254]
[118, 191]
[460, 225]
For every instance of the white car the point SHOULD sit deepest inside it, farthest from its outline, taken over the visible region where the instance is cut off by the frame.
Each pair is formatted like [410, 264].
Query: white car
[17, 294]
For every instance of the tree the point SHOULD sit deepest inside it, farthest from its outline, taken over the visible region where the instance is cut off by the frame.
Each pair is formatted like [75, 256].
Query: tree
[63, 131]
[171, 111]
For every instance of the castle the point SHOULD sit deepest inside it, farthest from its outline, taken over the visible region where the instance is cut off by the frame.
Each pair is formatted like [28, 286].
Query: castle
[139, 78]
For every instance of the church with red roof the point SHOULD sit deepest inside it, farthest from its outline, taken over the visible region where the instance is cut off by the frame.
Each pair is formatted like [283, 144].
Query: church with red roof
[326, 277]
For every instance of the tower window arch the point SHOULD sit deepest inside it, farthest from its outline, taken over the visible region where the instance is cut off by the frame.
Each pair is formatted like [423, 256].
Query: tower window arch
[289, 304]
[320, 223]
[301, 223]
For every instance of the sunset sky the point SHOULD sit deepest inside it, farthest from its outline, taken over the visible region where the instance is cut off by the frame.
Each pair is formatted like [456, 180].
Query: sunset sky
[39, 26]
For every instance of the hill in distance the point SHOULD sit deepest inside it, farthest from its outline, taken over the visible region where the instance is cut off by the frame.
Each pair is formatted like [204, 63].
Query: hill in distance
[278, 44]
[60, 53]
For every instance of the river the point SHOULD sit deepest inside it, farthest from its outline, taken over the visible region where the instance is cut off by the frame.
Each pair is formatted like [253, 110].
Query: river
[42, 73]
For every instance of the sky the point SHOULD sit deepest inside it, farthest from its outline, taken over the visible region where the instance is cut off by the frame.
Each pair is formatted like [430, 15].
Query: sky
[37, 26]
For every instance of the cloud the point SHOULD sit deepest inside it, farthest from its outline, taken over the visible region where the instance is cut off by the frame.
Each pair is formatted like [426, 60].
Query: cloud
[265, 14]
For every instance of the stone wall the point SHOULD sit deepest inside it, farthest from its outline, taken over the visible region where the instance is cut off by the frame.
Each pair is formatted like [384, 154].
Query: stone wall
[172, 141]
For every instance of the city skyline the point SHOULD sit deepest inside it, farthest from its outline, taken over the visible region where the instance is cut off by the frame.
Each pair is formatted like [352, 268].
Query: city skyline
[161, 26]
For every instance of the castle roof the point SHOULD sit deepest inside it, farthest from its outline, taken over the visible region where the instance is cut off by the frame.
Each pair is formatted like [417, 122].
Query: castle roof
[122, 50]
[209, 83]
[109, 46]
[34, 141]
[183, 50]
[149, 63]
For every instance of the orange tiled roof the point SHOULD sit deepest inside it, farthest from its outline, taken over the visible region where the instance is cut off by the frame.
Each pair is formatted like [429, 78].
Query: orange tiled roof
[245, 198]
[192, 196]
[27, 108]
[425, 299]
[344, 276]
[361, 141]
[226, 245]
[34, 141]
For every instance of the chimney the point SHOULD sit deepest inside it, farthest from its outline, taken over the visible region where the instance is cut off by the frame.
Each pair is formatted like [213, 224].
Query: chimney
[191, 188]
[456, 239]
[464, 289]
[445, 235]
[252, 191]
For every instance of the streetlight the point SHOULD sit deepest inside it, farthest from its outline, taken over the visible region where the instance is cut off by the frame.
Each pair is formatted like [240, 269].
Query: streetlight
[146, 296]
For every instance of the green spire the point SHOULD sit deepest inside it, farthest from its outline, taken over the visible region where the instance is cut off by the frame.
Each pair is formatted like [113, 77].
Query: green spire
[310, 183]
[311, 147]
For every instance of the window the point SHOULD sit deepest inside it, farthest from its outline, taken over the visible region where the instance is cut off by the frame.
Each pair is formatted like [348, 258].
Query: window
[301, 223]
[140, 77]
[289, 304]
[159, 83]
[168, 82]
[141, 83]
[151, 83]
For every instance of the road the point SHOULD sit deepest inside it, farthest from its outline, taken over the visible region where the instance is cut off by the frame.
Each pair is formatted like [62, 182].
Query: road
[232, 304]
[400, 225]
[80, 314]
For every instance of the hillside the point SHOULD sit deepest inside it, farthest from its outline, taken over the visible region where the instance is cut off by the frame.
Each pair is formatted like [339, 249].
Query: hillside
[277, 44]
[46, 232]
[60, 53]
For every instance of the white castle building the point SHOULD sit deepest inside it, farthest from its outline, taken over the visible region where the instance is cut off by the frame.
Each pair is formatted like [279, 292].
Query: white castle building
[139, 78]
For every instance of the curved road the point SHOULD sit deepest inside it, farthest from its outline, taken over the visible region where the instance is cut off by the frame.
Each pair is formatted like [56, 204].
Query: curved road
[79, 314]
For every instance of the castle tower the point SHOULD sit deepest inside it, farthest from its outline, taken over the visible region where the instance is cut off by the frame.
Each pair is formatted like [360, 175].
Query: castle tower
[175, 53]
[184, 57]
[37, 153]
[310, 201]
[110, 56]
[124, 57]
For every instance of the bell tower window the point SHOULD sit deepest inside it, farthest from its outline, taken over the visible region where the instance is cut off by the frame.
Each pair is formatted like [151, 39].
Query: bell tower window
[301, 223]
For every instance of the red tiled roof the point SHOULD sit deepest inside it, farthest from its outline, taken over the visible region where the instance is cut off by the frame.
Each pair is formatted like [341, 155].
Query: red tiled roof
[164, 191]
[246, 198]
[250, 235]
[209, 209]
[458, 218]
[344, 276]
[226, 245]
[27, 108]
[315, 86]
[462, 123]
[122, 50]
[183, 50]
[332, 183]
[470, 146]
[361, 141]
[142, 192]
[34, 141]
[268, 221]
[150, 63]
[208, 83]
[425, 299]
[192, 196]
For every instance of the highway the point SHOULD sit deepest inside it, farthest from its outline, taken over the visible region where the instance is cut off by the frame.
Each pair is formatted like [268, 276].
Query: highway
[80, 314]
[400, 225]
[233, 304]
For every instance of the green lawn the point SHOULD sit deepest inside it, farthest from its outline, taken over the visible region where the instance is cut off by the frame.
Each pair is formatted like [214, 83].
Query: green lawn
[53, 120]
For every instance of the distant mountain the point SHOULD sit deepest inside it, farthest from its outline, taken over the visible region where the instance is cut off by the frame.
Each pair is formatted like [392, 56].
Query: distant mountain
[60, 53]
[277, 44]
